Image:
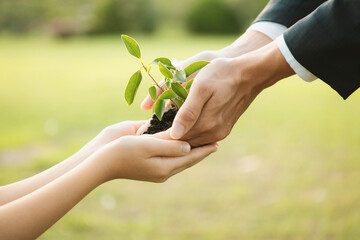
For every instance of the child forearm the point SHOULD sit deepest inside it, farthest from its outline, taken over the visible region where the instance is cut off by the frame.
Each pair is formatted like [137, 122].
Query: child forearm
[19, 189]
[28, 217]
[127, 157]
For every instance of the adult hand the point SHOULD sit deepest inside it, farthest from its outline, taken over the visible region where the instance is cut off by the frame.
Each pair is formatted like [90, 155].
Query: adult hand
[223, 90]
[148, 103]
[249, 41]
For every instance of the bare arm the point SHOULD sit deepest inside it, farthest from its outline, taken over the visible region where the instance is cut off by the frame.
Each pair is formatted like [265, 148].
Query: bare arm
[31, 215]
[130, 157]
[19, 189]
[16, 190]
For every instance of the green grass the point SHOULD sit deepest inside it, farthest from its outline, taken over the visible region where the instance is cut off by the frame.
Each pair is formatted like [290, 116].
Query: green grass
[289, 170]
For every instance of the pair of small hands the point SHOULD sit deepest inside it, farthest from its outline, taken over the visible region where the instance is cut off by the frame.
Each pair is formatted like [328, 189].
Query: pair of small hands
[119, 153]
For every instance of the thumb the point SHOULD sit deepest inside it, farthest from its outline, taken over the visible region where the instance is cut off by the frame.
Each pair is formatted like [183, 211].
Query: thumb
[189, 112]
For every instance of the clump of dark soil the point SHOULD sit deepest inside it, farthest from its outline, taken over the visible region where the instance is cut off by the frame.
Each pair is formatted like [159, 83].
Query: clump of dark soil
[158, 126]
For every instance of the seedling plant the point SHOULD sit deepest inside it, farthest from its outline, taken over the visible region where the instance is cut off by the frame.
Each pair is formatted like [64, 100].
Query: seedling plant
[174, 87]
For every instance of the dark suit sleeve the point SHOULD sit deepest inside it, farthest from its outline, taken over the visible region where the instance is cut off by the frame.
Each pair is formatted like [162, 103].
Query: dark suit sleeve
[287, 12]
[327, 43]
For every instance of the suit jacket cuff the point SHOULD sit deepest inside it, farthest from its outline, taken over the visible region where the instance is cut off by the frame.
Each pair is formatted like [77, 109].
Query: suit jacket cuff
[270, 29]
[300, 70]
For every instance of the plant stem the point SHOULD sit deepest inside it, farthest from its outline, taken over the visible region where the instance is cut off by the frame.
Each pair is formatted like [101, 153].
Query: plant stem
[146, 69]
[156, 83]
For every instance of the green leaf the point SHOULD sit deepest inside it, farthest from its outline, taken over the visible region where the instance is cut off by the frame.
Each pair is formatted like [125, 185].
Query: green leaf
[165, 71]
[168, 94]
[188, 84]
[179, 90]
[152, 92]
[131, 45]
[180, 76]
[132, 87]
[194, 67]
[167, 83]
[159, 108]
[178, 102]
[163, 60]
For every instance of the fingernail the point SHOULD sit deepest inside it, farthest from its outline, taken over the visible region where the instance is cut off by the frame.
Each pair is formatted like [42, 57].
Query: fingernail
[177, 131]
[186, 147]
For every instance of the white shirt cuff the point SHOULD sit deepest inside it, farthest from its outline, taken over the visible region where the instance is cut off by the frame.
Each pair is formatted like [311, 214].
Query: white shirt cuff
[270, 29]
[300, 70]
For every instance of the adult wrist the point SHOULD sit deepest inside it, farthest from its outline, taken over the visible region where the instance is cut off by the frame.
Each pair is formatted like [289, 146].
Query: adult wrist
[248, 42]
[263, 67]
[209, 55]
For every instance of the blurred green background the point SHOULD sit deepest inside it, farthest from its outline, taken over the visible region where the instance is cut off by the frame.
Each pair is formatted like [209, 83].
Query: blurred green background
[289, 170]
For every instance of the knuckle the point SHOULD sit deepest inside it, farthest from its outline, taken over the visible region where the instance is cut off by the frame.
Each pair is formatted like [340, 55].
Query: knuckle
[125, 142]
[189, 115]
[206, 55]
[221, 61]
[220, 135]
[209, 126]
[162, 175]
[108, 129]
[160, 179]
[203, 87]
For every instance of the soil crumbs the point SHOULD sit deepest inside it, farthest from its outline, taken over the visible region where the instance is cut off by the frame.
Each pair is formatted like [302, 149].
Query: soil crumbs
[158, 126]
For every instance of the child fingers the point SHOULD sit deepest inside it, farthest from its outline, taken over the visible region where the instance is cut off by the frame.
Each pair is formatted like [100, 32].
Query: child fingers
[165, 135]
[137, 124]
[195, 156]
[148, 103]
[165, 148]
[143, 128]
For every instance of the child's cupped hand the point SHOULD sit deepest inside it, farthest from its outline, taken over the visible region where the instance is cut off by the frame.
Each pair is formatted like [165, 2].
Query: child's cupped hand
[152, 158]
[109, 134]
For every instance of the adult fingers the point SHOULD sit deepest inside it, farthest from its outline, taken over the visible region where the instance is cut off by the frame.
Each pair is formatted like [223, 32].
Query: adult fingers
[164, 148]
[196, 155]
[190, 111]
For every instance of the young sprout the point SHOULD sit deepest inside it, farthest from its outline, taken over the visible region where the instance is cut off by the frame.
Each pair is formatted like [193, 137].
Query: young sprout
[172, 90]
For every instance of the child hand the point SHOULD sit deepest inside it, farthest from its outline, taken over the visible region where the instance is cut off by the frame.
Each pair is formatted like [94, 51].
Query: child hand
[110, 134]
[147, 158]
